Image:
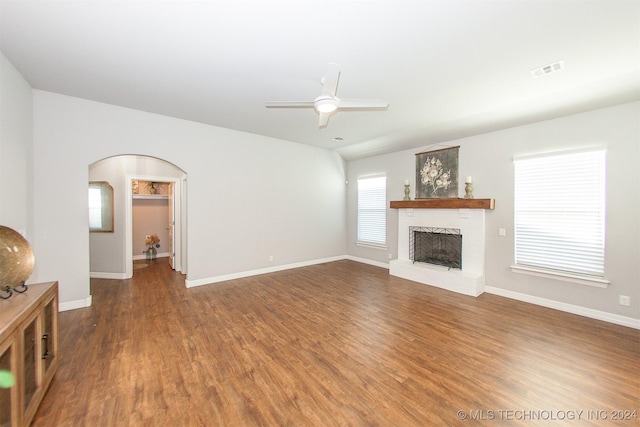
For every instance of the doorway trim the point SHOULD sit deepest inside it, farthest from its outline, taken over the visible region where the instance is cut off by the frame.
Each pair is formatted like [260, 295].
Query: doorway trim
[178, 221]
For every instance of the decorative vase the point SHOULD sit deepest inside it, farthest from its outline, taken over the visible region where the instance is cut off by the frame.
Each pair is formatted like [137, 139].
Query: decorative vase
[468, 189]
[406, 192]
[151, 252]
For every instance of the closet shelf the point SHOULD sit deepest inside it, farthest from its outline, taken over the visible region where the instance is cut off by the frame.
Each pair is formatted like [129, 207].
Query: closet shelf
[150, 196]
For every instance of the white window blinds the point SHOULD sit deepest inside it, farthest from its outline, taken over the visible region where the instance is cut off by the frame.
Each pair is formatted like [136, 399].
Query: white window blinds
[372, 210]
[559, 212]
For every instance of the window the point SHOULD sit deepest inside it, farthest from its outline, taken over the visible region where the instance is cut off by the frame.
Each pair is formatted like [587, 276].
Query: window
[559, 212]
[372, 211]
[100, 206]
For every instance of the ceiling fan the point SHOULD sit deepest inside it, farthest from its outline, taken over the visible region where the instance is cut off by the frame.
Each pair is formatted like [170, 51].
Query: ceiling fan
[328, 103]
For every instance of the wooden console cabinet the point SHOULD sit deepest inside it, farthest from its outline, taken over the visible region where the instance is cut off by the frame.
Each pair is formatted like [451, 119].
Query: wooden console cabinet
[28, 349]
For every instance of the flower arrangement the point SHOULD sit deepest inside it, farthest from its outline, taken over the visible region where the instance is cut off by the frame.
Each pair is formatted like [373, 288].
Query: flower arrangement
[434, 175]
[152, 240]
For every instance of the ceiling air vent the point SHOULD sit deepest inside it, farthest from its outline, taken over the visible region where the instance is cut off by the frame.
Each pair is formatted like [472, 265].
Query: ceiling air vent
[548, 69]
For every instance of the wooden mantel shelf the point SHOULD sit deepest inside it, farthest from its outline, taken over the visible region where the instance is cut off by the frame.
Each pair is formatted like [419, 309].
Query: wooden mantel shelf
[444, 204]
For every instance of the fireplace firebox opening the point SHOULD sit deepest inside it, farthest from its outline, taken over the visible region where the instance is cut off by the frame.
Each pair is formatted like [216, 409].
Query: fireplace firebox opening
[439, 246]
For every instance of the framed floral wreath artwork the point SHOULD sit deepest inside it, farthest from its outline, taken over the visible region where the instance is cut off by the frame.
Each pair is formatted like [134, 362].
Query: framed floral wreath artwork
[437, 174]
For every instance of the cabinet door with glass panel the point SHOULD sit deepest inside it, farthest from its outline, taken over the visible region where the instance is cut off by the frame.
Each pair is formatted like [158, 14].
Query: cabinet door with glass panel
[39, 354]
[8, 391]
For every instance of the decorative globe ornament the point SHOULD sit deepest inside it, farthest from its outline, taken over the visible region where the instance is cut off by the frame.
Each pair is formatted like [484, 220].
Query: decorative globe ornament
[16, 262]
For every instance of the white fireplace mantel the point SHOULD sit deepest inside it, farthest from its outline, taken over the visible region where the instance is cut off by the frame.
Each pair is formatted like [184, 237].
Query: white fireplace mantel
[469, 280]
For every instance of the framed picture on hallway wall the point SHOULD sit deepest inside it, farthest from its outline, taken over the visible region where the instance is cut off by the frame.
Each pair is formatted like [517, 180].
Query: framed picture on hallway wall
[437, 174]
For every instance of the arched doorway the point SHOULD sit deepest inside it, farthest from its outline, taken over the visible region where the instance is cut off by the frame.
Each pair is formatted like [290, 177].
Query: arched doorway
[112, 254]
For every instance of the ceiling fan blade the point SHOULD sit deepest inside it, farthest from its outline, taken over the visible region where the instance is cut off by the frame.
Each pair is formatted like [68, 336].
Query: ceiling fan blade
[324, 119]
[327, 103]
[330, 80]
[289, 104]
[347, 103]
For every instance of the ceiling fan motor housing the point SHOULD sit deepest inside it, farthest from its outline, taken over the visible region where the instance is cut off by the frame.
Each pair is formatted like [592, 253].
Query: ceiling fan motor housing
[325, 104]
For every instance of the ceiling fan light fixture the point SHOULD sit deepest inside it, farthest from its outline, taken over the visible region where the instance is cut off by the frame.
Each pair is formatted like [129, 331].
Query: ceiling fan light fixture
[325, 105]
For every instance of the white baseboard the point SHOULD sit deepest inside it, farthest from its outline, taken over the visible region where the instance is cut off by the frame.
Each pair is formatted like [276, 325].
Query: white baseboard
[240, 275]
[114, 276]
[143, 256]
[72, 305]
[569, 308]
[367, 261]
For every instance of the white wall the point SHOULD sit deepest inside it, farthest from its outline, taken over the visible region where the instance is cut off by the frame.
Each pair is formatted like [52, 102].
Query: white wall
[16, 142]
[489, 159]
[249, 197]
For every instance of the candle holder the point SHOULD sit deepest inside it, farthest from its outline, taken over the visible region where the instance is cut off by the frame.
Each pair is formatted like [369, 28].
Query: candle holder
[406, 192]
[468, 189]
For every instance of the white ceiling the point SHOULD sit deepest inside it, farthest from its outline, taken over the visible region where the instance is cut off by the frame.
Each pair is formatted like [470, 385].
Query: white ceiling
[448, 68]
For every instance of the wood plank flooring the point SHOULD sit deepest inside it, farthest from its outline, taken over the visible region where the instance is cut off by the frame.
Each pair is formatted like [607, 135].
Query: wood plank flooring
[334, 344]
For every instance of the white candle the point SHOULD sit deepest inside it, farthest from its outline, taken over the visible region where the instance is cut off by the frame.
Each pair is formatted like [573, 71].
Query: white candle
[468, 181]
[406, 182]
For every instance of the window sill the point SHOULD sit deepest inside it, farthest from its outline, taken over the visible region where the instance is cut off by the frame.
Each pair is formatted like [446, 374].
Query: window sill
[371, 245]
[565, 277]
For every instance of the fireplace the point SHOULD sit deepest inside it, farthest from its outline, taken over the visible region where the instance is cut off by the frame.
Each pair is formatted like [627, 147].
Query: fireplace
[447, 226]
[434, 245]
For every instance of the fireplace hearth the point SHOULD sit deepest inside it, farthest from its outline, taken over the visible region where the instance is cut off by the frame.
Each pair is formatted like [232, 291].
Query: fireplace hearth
[434, 245]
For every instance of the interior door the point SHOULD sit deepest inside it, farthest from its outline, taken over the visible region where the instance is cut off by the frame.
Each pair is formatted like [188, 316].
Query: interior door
[172, 224]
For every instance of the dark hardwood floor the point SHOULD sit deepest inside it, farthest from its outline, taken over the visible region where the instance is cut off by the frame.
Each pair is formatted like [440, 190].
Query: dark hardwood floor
[341, 343]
